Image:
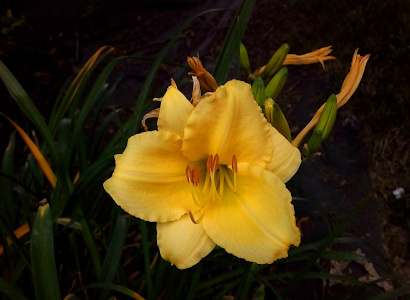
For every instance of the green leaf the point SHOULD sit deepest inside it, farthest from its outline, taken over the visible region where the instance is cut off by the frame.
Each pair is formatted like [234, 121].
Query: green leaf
[319, 252]
[9, 291]
[42, 256]
[233, 40]
[114, 287]
[112, 259]
[6, 185]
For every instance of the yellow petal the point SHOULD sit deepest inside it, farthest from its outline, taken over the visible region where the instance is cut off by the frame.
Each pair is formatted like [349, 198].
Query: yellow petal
[182, 242]
[149, 180]
[256, 222]
[175, 110]
[286, 158]
[228, 122]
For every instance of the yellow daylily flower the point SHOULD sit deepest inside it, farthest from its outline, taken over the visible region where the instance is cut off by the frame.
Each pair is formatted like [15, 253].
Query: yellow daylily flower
[211, 175]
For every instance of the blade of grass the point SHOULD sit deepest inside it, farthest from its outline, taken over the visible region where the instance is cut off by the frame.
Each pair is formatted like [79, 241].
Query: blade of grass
[89, 240]
[232, 40]
[195, 281]
[8, 290]
[42, 256]
[30, 110]
[42, 162]
[114, 287]
[147, 260]
[77, 86]
[18, 233]
[6, 186]
[114, 253]
[323, 246]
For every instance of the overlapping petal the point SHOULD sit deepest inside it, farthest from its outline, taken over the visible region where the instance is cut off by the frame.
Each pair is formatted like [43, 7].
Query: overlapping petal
[285, 159]
[256, 222]
[174, 112]
[182, 242]
[229, 122]
[149, 179]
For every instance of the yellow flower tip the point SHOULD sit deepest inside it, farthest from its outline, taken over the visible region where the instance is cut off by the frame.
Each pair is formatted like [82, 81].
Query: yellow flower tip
[207, 81]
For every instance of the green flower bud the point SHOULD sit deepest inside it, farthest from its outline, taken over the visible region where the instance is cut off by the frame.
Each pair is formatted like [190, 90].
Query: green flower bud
[244, 59]
[276, 84]
[328, 117]
[276, 61]
[275, 116]
[314, 142]
[258, 91]
[323, 127]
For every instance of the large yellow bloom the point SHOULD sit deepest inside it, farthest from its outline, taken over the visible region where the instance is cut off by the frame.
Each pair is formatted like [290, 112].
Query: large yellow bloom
[211, 174]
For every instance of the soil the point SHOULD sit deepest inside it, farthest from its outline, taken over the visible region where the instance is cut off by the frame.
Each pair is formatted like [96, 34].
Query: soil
[367, 154]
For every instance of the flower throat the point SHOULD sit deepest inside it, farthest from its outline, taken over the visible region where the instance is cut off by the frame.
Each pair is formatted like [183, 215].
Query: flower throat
[217, 176]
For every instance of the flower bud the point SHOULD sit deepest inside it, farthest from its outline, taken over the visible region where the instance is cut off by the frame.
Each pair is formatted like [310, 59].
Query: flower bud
[314, 143]
[258, 91]
[328, 117]
[276, 61]
[275, 116]
[324, 126]
[276, 84]
[244, 59]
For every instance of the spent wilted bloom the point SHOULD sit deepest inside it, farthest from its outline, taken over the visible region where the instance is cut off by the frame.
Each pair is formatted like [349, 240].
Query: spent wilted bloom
[212, 174]
[207, 81]
[317, 56]
[349, 86]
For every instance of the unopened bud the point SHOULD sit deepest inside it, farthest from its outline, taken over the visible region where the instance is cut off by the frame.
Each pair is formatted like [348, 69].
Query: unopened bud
[327, 117]
[323, 127]
[314, 142]
[276, 61]
[258, 91]
[244, 59]
[276, 84]
[275, 116]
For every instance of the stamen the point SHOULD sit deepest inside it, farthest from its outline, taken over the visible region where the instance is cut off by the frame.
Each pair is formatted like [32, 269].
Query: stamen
[221, 182]
[234, 164]
[188, 174]
[235, 170]
[197, 176]
[193, 219]
[209, 163]
[227, 178]
[216, 163]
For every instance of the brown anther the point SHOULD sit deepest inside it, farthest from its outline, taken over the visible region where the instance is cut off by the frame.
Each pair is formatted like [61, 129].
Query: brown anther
[216, 163]
[197, 176]
[209, 163]
[234, 164]
[189, 174]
